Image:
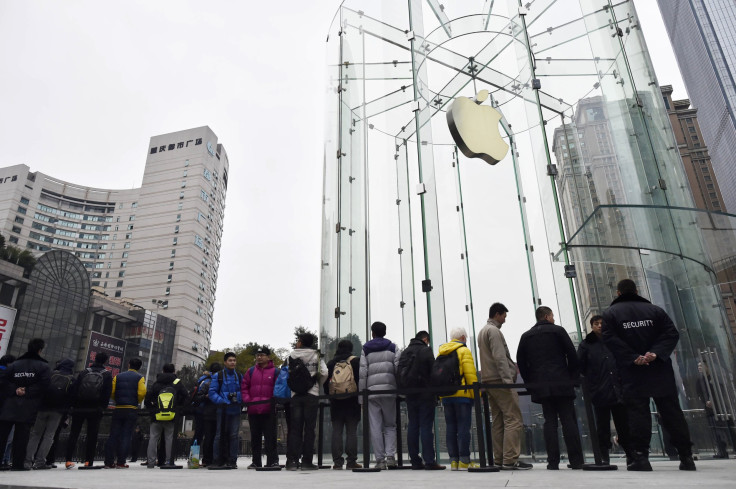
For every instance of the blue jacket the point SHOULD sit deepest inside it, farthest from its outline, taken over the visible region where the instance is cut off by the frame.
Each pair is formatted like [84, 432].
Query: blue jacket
[219, 390]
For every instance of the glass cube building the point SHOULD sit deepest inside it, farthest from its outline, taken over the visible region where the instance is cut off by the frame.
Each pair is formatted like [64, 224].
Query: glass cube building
[592, 191]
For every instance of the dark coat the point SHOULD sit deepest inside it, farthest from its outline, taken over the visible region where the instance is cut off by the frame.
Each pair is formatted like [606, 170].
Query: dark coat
[29, 371]
[164, 380]
[104, 398]
[545, 355]
[64, 367]
[349, 406]
[598, 366]
[421, 368]
[633, 326]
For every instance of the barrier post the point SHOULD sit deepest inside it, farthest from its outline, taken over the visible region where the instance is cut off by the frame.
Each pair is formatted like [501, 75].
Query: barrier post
[479, 429]
[366, 437]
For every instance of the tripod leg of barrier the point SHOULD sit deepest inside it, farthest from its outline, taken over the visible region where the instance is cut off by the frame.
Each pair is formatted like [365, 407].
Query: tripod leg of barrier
[366, 435]
[487, 425]
[399, 444]
[479, 426]
[320, 433]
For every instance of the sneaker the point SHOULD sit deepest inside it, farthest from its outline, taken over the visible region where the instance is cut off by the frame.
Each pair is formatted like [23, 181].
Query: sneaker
[88, 464]
[391, 462]
[292, 466]
[353, 465]
[274, 465]
[381, 465]
[434, 466]
[469, 465]
[122, 466]
[252, 466]
[337, 467]
[687, 463]
[454, 465]
[518, 465]
[309, 466]
[69, 464]
[639, 462]
[553, 467]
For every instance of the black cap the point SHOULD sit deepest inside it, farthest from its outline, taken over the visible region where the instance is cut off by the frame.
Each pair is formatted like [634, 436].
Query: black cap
[264, 350]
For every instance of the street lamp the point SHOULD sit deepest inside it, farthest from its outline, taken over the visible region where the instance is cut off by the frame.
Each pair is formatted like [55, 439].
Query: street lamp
[159, 303]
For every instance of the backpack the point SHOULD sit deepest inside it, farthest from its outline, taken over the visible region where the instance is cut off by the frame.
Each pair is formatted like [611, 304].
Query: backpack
[167, 402]
[300, 380]
[406, 373]
[201, 392]
[343, 379]
[90, 388]
[281, 387]
[58, 387]
[446, 373]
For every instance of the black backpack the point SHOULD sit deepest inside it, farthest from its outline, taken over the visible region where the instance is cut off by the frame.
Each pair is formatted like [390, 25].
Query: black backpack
[406, 373]
[201, 392]
[90, 387]
[446, 373]
[300, 380]
[58, 388]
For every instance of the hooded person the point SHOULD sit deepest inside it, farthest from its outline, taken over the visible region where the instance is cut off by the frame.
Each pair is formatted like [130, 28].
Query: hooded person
[257, 386]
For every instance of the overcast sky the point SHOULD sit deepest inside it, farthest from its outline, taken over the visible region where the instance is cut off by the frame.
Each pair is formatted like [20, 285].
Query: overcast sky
[85, 84]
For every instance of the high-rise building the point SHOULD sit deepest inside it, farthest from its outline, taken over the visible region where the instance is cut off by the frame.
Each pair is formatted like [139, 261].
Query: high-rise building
[703, 36]
[156, 246]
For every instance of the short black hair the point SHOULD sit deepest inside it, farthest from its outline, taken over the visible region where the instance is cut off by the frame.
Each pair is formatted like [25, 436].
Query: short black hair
[6, 360]
[378, 329]
[626, 286]
[542, 312]
[306, 339]
[422, 335]
[496, 308]
[228, 355]
[135, 363]
[169, 368]
[101, 357]
[344, 346]
[36, 345]
[595, 318]
[215, 367]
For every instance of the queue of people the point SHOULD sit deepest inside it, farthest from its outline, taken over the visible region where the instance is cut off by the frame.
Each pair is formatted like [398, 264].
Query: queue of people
[624, 361]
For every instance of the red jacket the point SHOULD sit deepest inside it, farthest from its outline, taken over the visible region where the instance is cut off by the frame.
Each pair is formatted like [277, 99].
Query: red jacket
[257, 385]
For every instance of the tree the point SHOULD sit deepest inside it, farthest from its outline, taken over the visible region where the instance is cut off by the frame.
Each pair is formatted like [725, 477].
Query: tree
[190, 375]
[331, 343]
[13, 254]
[302, 330]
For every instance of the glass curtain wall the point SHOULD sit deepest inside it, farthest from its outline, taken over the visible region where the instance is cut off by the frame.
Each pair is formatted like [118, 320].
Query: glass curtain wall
[420, 237]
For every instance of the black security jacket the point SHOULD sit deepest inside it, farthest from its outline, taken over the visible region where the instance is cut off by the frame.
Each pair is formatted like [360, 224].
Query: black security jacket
[29, 371]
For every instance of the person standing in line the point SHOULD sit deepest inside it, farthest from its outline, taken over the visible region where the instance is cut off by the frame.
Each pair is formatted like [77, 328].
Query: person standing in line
[27, 379]
[306, 369]
[90, 396]
[379, 360]
[56, 402]
[224, 392]
[497, 367]
[128, 391]
[642, 337]
[459, 406]
[598, 366]
[208, 415]
[344, 413]
[415, 367]
[257, 385]
[135, 443]
[546, 357]
[162, 400]
[707, 386]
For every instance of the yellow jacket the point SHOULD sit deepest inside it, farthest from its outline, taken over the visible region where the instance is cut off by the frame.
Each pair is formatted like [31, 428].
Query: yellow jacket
[467, 367]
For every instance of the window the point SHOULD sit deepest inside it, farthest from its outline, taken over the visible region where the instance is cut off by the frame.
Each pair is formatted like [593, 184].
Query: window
[125, 254]
[132, 218]
[134, 205]
[178, 218]
[185, 173]
[204, 195]
[16, 229]
[118, 293]
[691, 129]
[179, 207]
[173, 253]
[121, 274]
[128, 235]
[186, 163]
[96, 283]
[14, 239]
[119, 284]
[183, 184]
[168, 291]
[176, 229]
[168, 279]
[120, 206]
[130, 227]
[181, 195]
[171, 265]
[25, 201]
[176, 240]
[126, 245]
[19, 219]
[123, 264]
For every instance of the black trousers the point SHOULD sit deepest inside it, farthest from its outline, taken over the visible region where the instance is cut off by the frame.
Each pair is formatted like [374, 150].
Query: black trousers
[672, 419]
[304, 410]
[263, 425]
[603, 416]
[20, 441]
[564, 409]
[92, 417]
[209, 427]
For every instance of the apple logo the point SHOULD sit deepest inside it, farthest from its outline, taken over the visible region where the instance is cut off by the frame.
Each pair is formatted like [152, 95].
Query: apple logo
[474, 128]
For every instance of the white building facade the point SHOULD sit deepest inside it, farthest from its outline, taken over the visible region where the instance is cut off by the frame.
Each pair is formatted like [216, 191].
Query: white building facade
[159, 242]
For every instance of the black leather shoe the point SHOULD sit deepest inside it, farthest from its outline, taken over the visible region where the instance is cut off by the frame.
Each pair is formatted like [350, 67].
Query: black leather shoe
[639, 462]
[687, 462]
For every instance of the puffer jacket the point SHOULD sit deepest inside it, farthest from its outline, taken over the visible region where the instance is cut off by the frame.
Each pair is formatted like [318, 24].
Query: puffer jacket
[379, 361]
[128, 389]
[467, 370]
[29, 371]
[219, 390]
[257, 385]
[598, 366]
[496, 365]
[633, 326]
[310, 357]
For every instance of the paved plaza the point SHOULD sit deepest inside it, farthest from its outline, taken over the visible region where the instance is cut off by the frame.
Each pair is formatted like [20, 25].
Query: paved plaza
[710, 474]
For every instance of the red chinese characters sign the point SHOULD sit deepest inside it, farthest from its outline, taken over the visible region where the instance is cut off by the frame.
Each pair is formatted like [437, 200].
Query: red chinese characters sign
[114, 347]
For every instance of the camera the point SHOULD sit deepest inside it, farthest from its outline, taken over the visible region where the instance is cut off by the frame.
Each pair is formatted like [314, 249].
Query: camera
[232, 397]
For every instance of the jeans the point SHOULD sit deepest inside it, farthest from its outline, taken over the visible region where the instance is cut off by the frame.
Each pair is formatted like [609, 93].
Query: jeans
[263, 425]
[225, 450]
[382, 420]
[458, 420]
[672, 418]
[347, 421]
[42, 437]
[157, 428]
[564, 408]
[304, 410]
[92, 418]
[421, 422]
[121, 431]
